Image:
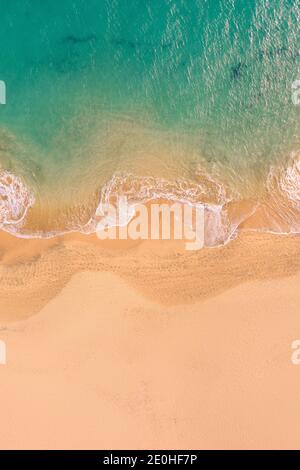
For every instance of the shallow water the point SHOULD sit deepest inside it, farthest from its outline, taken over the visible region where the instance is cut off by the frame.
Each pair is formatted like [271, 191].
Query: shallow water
[143, 98]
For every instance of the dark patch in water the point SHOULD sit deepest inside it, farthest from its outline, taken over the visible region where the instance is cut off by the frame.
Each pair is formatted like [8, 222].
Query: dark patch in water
[237, 70]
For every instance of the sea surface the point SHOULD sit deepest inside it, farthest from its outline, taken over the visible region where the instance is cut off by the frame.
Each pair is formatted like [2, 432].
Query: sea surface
[175, 100]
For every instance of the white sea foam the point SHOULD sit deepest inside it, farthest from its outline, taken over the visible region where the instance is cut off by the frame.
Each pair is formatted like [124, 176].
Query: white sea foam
[221, 223]
[208, 192]
[15, 200]
[290, 181]
[283, 185]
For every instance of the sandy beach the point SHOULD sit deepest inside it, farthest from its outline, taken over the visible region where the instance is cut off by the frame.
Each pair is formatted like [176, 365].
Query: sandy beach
[146, 345]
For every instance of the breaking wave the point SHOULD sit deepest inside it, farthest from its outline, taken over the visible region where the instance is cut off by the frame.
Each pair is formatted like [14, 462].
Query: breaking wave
[225, 210]
[283, 186]
[15, 200]
[219, 219]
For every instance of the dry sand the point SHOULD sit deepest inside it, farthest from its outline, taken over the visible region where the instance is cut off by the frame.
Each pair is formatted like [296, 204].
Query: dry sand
[149, 346]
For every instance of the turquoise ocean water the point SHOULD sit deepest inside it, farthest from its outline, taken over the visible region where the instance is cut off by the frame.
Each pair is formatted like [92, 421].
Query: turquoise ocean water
[155, 99]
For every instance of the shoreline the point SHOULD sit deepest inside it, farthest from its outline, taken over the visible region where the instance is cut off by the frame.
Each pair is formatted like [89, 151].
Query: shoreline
[270, 206]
